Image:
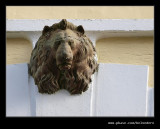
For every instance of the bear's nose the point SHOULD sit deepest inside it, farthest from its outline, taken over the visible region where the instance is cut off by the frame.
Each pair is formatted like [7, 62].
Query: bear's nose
[66, 58]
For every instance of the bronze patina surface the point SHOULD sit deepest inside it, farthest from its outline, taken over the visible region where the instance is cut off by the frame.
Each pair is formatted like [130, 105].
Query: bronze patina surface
[63, 58]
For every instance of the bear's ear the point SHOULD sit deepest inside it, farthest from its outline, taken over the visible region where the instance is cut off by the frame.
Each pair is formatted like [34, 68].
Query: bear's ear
[63, 24]
[80, 29]
[45, 29]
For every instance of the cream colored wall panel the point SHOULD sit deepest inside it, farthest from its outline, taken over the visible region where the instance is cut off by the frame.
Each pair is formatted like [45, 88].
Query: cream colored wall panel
[80, 12]
[128, 50]
[18, 51]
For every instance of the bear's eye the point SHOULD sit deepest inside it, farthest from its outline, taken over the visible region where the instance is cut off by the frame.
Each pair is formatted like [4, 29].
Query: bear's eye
[71, 42]
[58, 43]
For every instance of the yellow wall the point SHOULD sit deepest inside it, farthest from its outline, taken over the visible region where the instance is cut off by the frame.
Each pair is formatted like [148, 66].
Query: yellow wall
[80, 12]
[128, 50]
[137, 51]
[18, 51]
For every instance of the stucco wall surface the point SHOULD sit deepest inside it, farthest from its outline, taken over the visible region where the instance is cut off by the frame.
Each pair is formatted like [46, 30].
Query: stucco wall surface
[18, 50]
[80, 12]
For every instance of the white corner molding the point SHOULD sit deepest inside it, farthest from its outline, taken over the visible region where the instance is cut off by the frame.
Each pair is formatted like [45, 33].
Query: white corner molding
[94, 28]
[150, 102]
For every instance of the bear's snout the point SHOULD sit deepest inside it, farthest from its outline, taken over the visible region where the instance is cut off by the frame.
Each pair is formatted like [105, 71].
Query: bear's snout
[64, 57]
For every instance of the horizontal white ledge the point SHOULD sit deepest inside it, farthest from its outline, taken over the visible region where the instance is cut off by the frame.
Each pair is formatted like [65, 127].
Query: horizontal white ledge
[95, 28]
[89, 25]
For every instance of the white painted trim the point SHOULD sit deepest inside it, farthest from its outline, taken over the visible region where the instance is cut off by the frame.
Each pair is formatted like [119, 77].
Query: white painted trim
[150, 102]
[95, 28]
[116, 90]
[89, 25]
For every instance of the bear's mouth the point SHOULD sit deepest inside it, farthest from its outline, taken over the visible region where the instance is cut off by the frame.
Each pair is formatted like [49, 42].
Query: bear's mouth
[64, 66]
